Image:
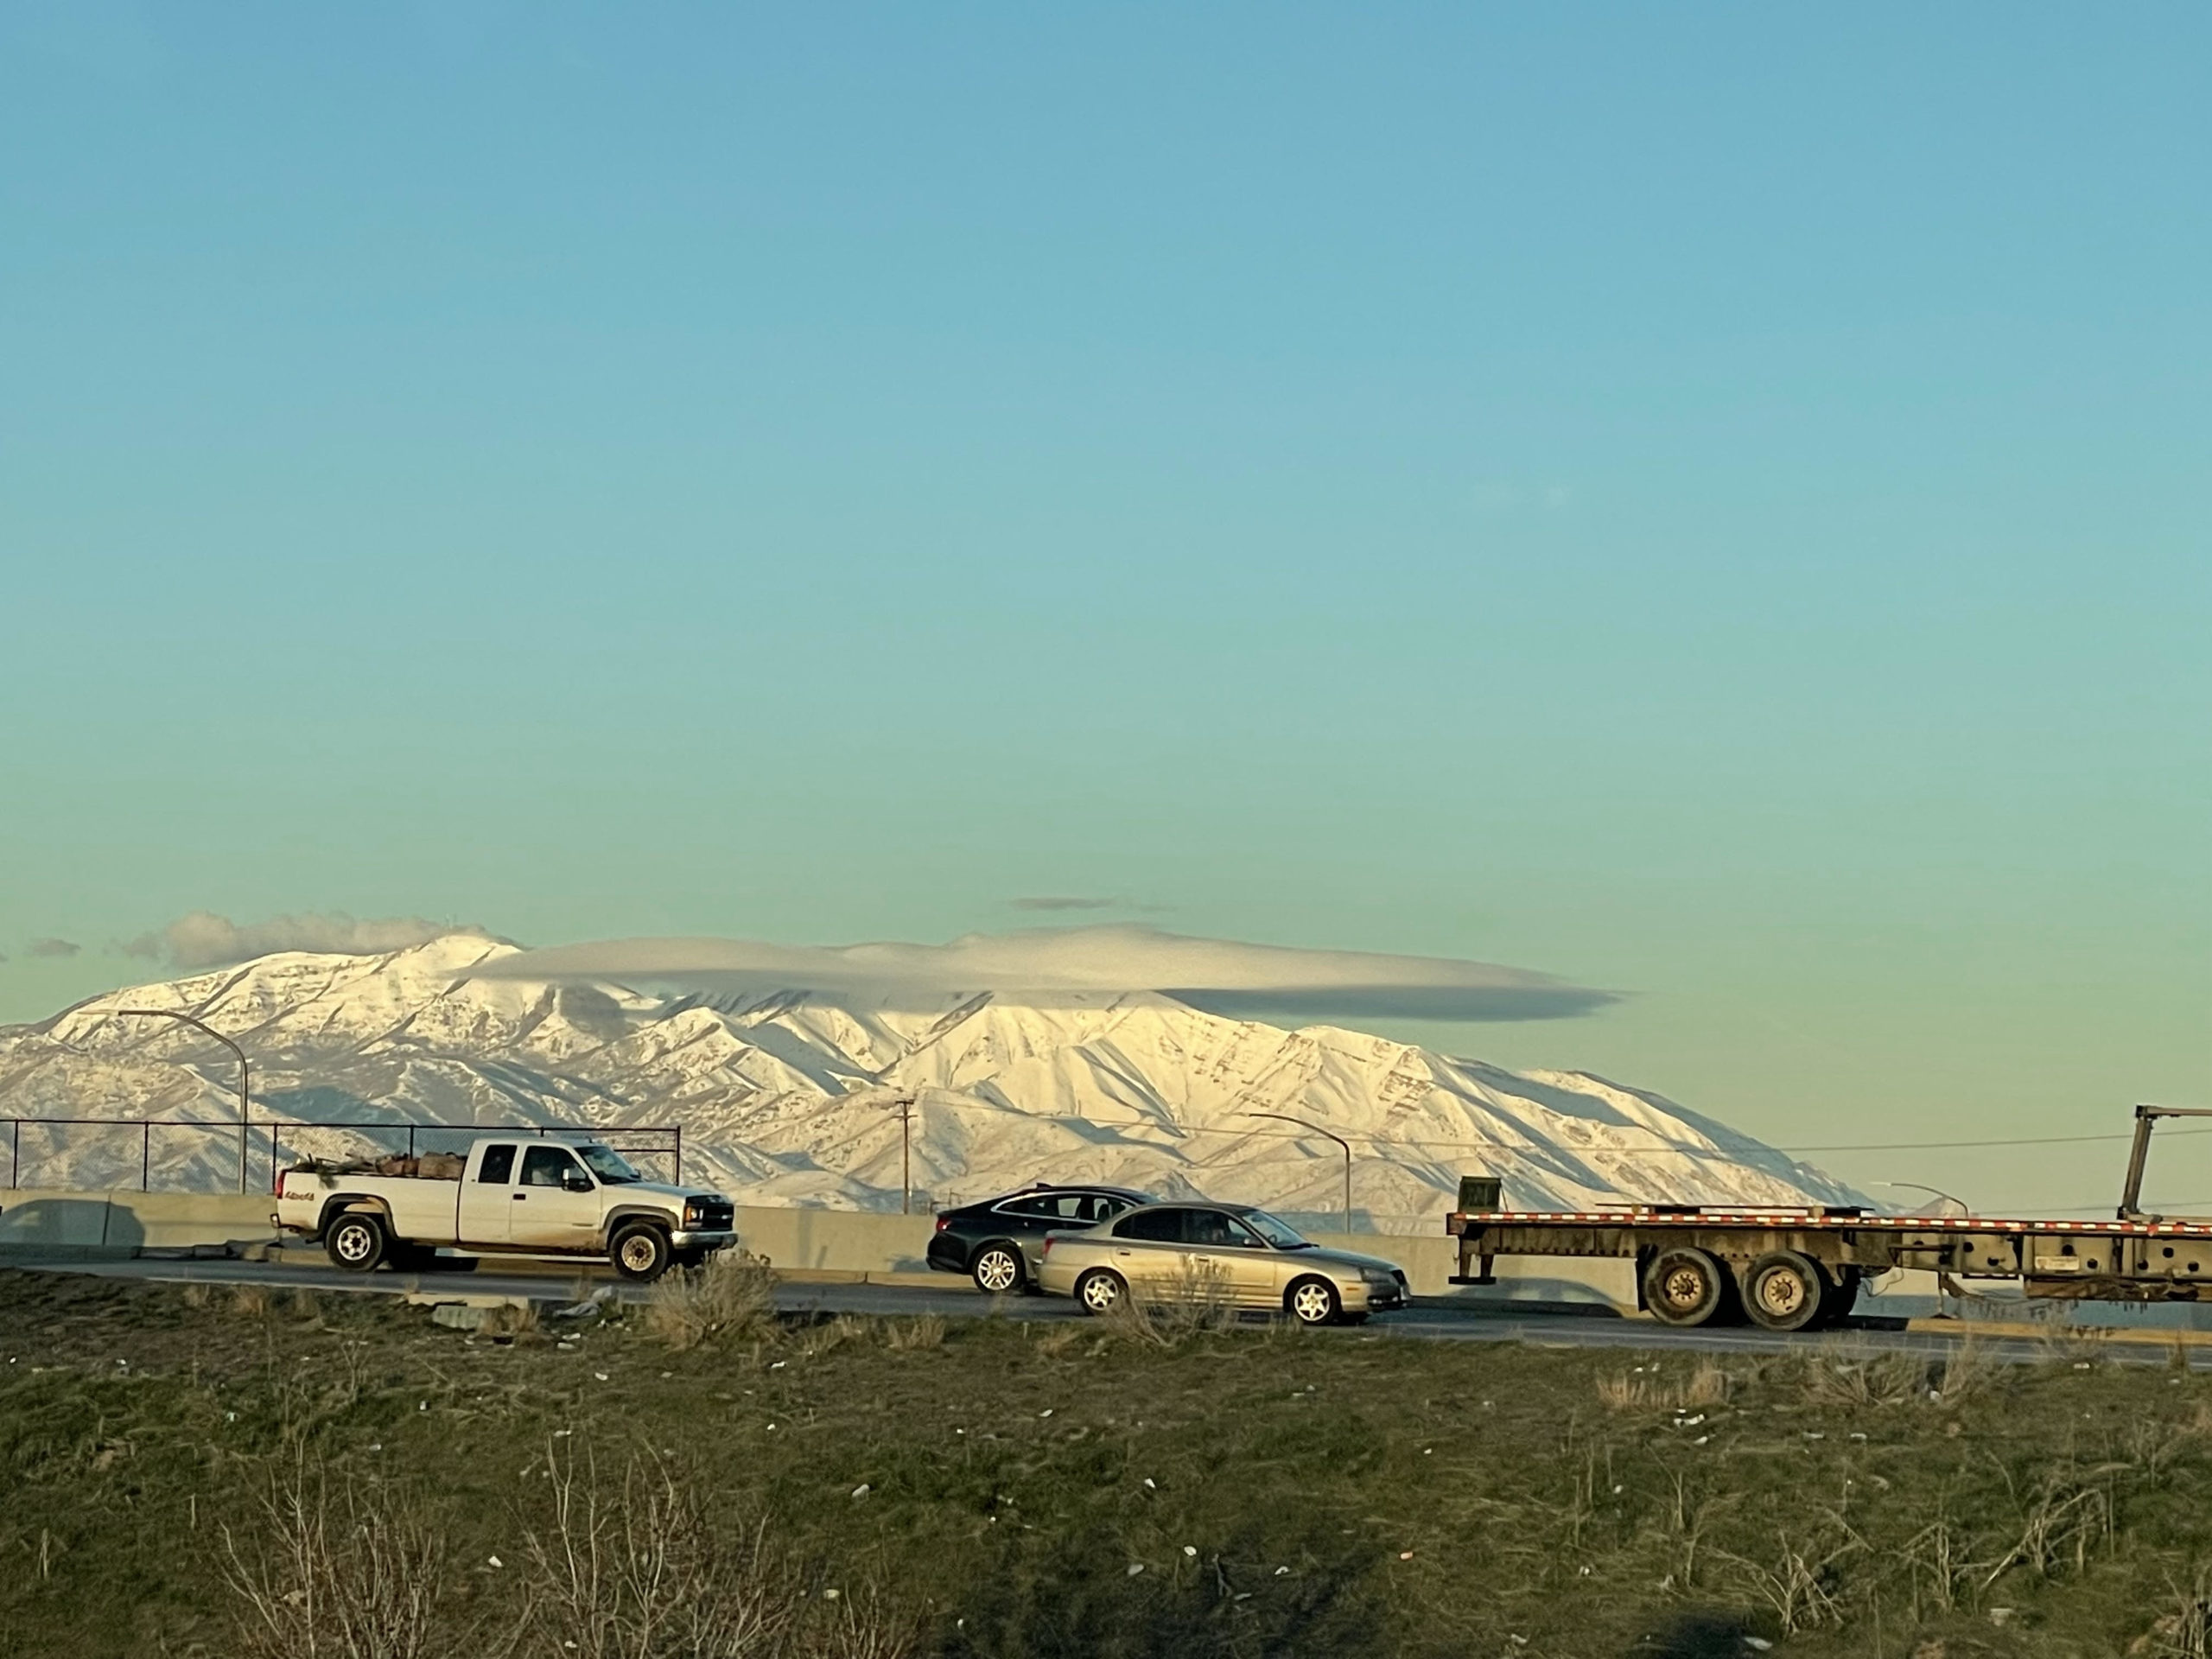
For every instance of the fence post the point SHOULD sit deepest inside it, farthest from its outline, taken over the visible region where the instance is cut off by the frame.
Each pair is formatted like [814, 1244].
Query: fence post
[16, 1157]
[146, 1157]
[678, 1181]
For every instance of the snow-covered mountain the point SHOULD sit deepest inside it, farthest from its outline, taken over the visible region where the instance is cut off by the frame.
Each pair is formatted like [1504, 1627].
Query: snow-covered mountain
[791, 1098]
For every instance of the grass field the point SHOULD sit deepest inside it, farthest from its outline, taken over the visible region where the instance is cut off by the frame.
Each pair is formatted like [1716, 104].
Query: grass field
[232, 1473]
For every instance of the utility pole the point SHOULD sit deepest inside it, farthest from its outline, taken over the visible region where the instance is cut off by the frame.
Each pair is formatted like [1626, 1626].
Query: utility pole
[1338, 1139]
[245, 1102]
[903, 1105]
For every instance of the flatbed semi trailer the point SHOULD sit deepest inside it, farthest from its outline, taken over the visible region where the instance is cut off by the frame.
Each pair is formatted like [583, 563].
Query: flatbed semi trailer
[1796, 1269]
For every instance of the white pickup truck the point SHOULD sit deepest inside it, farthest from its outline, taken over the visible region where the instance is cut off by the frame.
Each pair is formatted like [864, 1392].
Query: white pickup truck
[512, 1195]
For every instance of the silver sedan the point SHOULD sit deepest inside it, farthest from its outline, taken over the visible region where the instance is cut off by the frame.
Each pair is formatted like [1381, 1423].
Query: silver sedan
[1225, 1254]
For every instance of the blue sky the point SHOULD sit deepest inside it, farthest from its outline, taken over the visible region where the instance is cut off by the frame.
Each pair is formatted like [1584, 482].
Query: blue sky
[1708, 502]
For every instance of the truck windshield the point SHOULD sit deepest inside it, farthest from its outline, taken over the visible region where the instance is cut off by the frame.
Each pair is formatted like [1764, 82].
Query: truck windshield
[1280, 1234]
[607, 1165]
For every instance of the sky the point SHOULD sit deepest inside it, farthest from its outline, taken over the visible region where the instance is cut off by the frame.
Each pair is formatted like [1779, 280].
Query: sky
[1707, 503]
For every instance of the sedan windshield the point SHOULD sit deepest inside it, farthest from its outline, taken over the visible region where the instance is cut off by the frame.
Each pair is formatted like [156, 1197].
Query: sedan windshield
[1279, 1234]
[607, 1165]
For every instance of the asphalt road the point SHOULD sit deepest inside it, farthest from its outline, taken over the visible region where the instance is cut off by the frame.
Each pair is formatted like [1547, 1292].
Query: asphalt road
[1435, 1319]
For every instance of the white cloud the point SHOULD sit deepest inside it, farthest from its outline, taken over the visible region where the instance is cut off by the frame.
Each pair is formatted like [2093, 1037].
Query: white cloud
[1222, 975]
[203, 939]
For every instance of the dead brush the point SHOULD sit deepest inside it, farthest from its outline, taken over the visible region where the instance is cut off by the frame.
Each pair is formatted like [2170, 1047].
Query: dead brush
[2185, 1633]
[1801, 1584]
[250, 1301]
[827, 1336]
[1969, 1369]
[1646, 1390]
[1195, 1304]
[2064, 1518]
[1864, 1379]
[360, 1575]
[645, 1568]
[1061, 1337]
[911, 1336]
[731, 1299]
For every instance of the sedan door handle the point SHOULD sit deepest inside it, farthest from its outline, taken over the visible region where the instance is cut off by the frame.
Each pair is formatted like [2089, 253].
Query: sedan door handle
[519, 1197]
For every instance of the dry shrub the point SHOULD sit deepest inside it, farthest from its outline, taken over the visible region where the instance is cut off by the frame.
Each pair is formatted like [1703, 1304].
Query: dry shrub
[1969, 1369]
[198, 1295]
[906, 1336]
[1198, 1302]
[730, 1300]
[1706, 1385]
[1060, 1339]
[646, 1570]
[360, 1575]
[1801, 1584]
[2065, 1516]
[252, 1302]
[827, 1336]
[306, 1305]
[1866, 1379]
[2186, 1632]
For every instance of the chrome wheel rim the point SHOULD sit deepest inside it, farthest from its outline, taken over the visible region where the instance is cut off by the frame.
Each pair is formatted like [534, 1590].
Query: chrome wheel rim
[1311, 1303]
[354, 1242]
[996, 1270]
[1100, 1294]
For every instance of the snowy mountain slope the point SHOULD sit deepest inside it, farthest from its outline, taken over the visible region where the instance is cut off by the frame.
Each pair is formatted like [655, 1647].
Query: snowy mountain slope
[787, 1098]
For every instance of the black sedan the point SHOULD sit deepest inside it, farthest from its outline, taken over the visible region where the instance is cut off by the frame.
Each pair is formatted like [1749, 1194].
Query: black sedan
[996, 1242]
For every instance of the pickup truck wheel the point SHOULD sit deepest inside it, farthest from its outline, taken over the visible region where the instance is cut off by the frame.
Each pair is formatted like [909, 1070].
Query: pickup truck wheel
[1101, 1291]
[1785, 1291]
[1684, 1286]
[356, 1243]
[997, 1269]
[1313, 1301]
[640, 1251]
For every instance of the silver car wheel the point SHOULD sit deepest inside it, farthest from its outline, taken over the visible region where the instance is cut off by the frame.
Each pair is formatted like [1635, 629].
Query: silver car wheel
[355, 1243]
[1099, 1293]
[1313, 1303]
[997, 1270]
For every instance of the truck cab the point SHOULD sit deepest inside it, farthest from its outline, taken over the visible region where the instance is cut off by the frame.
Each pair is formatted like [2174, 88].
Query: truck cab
[512, 1195]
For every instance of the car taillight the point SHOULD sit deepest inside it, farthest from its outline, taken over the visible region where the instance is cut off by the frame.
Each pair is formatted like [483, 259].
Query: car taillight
[942, 1222]
[1048, 1250]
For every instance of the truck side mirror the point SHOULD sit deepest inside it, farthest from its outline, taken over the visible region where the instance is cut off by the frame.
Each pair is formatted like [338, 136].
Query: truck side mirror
[576, 1181]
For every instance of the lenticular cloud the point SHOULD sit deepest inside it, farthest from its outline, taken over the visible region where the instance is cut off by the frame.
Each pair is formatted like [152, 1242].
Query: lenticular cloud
[1221, 976]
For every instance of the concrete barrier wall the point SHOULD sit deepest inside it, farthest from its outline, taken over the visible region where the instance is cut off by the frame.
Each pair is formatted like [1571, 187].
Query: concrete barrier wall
[37, 1219]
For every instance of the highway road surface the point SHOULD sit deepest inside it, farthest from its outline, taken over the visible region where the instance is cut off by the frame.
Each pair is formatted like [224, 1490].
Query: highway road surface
[1444, 1319]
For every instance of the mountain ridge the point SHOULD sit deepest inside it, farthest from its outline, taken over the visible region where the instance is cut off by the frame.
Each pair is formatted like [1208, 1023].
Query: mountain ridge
[784, 1095]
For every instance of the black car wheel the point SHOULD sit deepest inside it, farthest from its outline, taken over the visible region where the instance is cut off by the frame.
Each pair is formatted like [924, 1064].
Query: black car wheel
[997, 1270]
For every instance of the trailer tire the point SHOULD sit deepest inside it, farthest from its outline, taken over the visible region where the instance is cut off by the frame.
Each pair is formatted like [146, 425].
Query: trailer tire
[1684, 1286]
[1785, 1291]
[356, 1241]
[1843, 1295]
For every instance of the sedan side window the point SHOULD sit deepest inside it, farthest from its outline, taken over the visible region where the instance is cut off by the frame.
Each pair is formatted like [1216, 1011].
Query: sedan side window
[546, 1166]
[1212, 1227]
[499, 1165]
[1163, 1226]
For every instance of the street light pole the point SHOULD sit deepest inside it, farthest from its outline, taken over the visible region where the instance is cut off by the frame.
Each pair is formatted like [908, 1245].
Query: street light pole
[903, 1105]
[1285, 1118]
[246, 1074]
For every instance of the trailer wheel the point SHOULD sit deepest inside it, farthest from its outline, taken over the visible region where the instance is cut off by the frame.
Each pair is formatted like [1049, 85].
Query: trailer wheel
[1684, 1286]
[1785, 1291]
[356, 1241]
